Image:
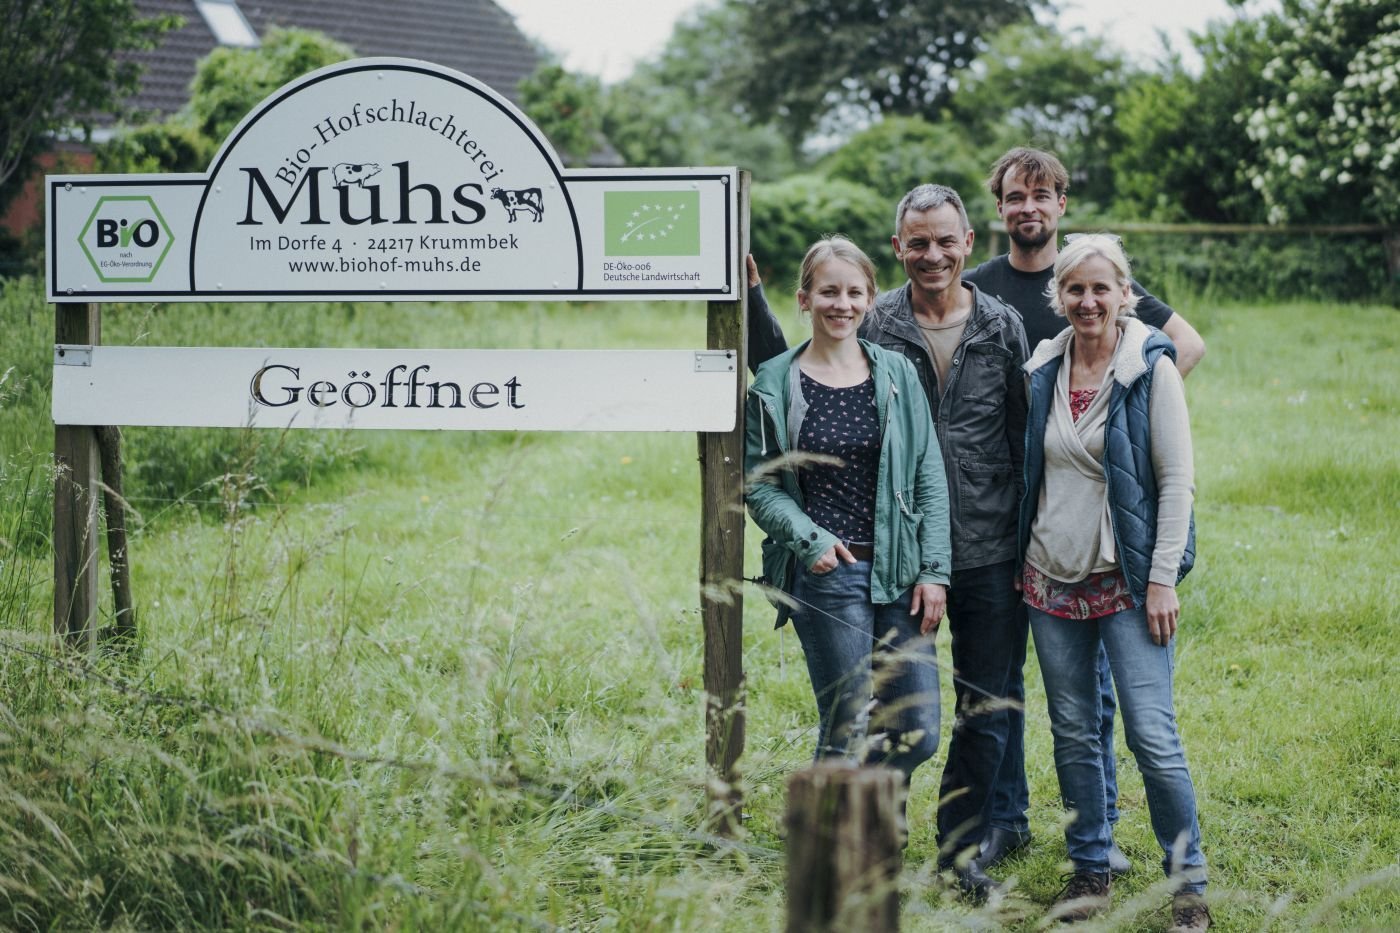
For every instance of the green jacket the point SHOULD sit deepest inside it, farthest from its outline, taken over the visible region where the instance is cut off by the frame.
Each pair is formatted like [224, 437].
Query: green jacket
[911, 498]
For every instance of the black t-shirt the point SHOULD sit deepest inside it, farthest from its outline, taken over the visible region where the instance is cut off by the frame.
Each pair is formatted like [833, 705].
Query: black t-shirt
[1025, 291]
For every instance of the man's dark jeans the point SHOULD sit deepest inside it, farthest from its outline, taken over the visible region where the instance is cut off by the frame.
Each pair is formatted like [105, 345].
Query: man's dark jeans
[988, 623]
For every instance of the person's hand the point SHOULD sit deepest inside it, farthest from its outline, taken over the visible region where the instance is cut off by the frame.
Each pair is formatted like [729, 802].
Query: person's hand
[930, 601]
[1162, 612]
[834, 555]
[753, 270]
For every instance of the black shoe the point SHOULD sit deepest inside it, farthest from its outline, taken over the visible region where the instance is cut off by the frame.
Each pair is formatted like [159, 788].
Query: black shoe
[1086, 894]
[1000, 844]
[973, 882]
[1118, 863]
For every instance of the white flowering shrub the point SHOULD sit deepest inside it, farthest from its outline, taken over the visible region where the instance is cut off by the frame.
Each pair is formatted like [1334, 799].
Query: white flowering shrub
[1327, 137]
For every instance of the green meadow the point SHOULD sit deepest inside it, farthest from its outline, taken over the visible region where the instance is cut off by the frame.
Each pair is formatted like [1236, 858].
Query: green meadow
[421, 681]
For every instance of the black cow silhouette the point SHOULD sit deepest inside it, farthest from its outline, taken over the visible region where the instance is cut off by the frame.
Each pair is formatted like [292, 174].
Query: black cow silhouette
[520, 199]
[351, 173]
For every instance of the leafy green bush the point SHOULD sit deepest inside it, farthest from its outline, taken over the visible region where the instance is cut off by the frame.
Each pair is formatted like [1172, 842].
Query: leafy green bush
[228, 84]
[899, 153]
[172, 146]
[789, 215]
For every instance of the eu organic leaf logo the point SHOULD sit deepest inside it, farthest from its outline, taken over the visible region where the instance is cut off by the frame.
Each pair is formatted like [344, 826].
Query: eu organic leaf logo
[651, 223]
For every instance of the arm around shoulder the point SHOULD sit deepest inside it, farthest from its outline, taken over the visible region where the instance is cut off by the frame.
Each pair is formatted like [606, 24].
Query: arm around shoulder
[766, 338]
[1190, 347]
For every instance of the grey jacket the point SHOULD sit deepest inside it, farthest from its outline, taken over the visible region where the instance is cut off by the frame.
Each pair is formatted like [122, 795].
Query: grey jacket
[981, 417]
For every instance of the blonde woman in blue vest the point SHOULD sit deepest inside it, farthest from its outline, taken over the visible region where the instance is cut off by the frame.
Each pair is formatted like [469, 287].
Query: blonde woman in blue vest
[846, 479]
[1106, 533]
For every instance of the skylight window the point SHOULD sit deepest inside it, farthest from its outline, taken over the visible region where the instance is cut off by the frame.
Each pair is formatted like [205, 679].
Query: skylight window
[227, 23]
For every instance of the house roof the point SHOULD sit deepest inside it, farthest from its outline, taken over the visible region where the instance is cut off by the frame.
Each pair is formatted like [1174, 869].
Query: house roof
[473, 36]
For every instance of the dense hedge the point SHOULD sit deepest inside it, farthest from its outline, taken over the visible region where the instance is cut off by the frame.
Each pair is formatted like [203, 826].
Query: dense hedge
[788, 215]
[1266, 267]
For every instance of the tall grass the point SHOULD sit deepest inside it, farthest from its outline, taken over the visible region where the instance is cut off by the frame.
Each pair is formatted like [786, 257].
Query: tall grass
[458, 686]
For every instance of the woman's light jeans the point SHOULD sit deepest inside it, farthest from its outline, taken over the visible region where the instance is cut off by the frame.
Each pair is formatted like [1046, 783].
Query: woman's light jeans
[1068, 651]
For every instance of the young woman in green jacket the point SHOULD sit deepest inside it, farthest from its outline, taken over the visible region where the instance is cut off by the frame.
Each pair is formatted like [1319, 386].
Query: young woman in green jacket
[846, 480]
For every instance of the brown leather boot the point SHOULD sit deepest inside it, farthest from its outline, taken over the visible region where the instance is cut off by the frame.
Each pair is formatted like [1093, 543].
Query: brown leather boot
[1190, 914]
[1085, 894]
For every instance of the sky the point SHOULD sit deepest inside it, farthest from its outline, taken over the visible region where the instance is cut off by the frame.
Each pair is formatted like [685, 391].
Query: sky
[606, 38]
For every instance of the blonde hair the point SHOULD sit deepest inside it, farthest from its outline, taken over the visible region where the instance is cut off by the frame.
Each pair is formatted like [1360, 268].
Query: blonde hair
[1078, 250]
[835, 246]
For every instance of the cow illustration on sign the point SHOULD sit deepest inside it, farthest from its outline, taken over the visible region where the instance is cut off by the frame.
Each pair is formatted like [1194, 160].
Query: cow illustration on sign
[520, 199]
[351, 173]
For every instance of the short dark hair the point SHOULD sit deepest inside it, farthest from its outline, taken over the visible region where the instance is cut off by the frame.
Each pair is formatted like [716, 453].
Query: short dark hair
[1035, 165]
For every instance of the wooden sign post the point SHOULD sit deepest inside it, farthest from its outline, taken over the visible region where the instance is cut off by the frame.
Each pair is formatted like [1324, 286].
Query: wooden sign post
[77, 466]
[722, 565]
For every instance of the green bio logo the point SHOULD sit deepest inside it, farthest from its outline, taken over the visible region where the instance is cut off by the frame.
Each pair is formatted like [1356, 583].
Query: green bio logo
[651, 223]
[126, 238]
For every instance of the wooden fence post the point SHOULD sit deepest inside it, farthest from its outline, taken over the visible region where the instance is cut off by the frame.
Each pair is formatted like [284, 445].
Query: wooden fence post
[77, 468]
[844, 849]
[722, 560]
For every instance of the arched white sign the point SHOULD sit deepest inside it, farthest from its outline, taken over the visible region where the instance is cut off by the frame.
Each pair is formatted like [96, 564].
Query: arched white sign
[392, 179]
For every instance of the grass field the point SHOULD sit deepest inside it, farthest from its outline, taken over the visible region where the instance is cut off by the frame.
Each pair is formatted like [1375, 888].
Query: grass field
[425, 681]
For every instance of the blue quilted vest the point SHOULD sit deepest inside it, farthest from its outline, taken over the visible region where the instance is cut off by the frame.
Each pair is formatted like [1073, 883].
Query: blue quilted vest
[1127, 463]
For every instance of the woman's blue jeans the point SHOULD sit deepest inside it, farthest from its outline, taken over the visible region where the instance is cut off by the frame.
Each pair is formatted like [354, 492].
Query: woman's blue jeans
[874, 676]
[1068, 650]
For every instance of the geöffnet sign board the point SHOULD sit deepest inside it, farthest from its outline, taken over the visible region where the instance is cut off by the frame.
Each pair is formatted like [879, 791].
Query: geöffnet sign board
[391, 179]
[408, 389]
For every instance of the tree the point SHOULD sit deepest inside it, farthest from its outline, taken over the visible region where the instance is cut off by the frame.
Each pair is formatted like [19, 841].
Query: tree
[687, 107]
[1293, 118]
[1326, 133]
[1181, 154]
[805, 60]
[898, 153]
[228, 83]
[1036, 86]
[60, 63]
[567, 108]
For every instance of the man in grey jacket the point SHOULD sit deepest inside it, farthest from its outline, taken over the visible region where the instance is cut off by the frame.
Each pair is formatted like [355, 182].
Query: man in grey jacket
[967, 348]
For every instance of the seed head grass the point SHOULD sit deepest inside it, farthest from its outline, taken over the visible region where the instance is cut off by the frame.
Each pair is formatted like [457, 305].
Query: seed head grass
[456, 681]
